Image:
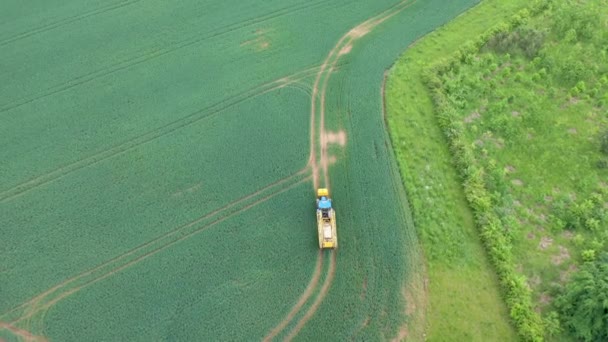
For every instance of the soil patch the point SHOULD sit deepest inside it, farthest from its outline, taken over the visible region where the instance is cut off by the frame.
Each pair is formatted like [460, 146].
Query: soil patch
[562, 256]
[335, 138]
[545, 242]
[472, 117]
[346, 49]
[517, 182]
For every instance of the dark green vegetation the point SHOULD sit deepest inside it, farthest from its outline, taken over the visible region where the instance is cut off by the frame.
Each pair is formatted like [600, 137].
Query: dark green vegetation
[155, 180]
[464, 300]
[584, 304]
[524, 110]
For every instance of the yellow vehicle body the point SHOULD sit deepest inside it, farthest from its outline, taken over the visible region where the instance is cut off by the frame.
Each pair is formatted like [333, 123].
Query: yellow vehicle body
[322, 192]
[328, 235]
[326, 224]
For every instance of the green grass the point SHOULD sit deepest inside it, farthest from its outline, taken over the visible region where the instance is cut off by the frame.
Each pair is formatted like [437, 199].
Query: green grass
[136, 132]
[534, 123]
[456, 260]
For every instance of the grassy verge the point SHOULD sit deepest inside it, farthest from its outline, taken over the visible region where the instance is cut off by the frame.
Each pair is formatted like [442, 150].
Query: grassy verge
[524, 111]
[464, 298]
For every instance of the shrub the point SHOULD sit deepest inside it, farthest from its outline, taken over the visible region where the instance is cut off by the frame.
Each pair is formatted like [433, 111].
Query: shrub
[604, 142]
[524, 40]
[552, 325]
[583, 306]
[588, 255]
[446, 95]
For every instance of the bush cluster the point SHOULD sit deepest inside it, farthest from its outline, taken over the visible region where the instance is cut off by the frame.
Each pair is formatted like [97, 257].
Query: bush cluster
[523, 39]
[583, 306]
[496, 240]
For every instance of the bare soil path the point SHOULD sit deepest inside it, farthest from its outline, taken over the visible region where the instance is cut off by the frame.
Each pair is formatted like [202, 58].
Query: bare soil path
[301, 301]
[22, 333]
[319, 161]
[331, 271]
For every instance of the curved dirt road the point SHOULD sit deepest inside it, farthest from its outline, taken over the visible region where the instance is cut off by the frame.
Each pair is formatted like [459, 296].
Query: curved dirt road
[319, 162]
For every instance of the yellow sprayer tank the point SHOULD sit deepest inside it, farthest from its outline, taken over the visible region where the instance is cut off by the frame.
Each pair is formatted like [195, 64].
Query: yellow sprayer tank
[326, 220]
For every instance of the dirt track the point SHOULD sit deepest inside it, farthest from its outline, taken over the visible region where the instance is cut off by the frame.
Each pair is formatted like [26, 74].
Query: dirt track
[24, 334]
[303, 299]
[331, 271]
[320, 164]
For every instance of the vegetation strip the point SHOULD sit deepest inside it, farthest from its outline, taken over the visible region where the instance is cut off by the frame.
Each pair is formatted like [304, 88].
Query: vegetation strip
[498, 245]
[447, 231]
[504, 102]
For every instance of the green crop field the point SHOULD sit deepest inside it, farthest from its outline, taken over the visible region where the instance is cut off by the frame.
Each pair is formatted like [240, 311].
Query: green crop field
[159, 162]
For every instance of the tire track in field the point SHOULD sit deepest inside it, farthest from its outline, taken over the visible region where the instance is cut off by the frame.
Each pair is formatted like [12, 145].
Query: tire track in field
[334, 55]
[173, 231]
[23, 334]
[66, 21]
[327, 68]
[331, 271]
[312, 162]
[312, 285]
[64, 295]
[142, 139]
[53, 295]
[325, 72]
[159, 52]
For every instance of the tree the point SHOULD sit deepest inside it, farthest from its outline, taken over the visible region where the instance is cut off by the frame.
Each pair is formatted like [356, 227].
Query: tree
[583, 306]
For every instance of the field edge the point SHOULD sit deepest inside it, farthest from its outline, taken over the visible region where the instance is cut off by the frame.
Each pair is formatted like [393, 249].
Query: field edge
[420, 114]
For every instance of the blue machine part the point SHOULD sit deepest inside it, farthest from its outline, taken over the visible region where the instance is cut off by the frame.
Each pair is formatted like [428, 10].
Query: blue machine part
[324, 203]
